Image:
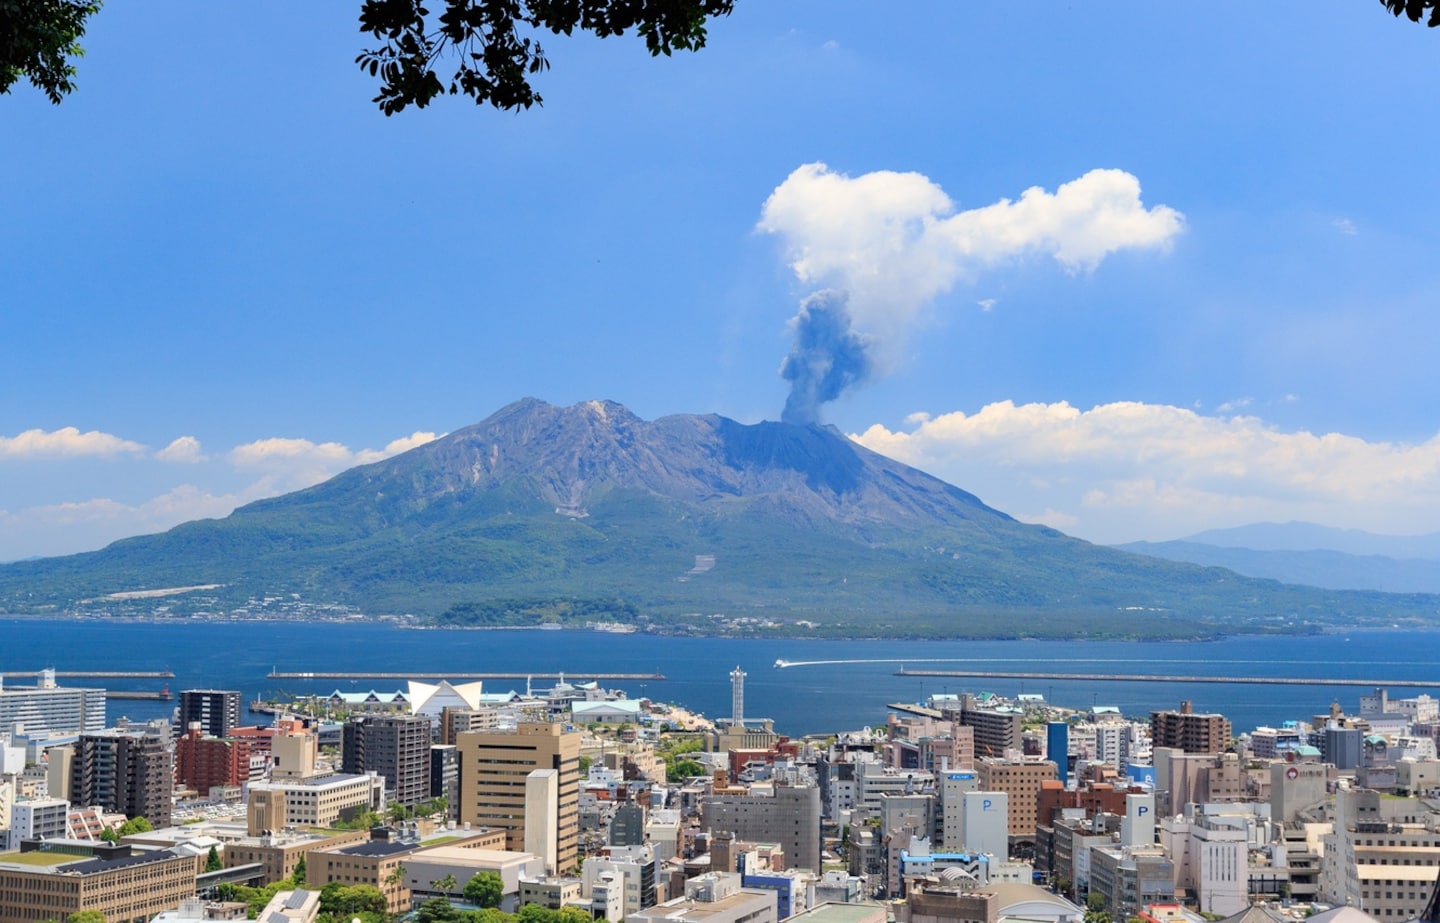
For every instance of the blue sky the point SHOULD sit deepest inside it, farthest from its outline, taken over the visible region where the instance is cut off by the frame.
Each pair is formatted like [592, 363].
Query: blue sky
[224, 274]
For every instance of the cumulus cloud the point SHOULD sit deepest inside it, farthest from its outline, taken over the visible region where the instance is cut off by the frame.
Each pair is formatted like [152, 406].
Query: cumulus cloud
[290, 464]
[183, 450]
[892, 242]
[1130, 470]
[395, 447]
[67, 442]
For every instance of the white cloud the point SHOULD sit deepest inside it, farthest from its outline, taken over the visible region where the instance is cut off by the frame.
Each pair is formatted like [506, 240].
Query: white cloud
[67, 442]
[987, 304]
[1131, 470]
[894, 241]
[1345, 226]
[182, 450]
[1239, 403]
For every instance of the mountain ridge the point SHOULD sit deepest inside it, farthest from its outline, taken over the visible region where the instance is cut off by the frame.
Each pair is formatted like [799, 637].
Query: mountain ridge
[539, 510]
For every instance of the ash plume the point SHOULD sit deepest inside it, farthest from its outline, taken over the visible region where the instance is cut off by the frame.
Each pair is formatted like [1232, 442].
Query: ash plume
[886, 245]
[828, 356]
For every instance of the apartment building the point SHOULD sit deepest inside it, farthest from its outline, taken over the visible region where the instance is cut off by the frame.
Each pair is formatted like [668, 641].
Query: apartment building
[395, 747]
[128, 772]
[1187, 730]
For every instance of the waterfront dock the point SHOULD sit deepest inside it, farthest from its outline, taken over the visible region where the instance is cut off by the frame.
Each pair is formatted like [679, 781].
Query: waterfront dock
[455, 676]
[139, 695]
[1167, 678]
[91, 674]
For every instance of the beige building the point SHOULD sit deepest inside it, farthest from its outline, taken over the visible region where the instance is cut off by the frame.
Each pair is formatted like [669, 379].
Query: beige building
[494, 771]
[376, 862]
[131, 888]
[280, 854]
[1021, 782]
[317, 801]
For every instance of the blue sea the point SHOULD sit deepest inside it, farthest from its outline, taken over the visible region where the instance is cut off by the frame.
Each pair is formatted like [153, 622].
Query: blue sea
[844, 684]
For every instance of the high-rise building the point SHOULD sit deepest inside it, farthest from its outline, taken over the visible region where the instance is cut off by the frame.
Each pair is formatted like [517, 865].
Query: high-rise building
[1186, 730]
[206, 762]
[494, 769]
[216, 710]
[124, 771]
[737, 697]
[396, 747]
[445, 777]
[1022, 782]
[784, 814]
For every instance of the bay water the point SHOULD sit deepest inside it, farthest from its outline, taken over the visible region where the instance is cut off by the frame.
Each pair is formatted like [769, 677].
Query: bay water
[839, 685]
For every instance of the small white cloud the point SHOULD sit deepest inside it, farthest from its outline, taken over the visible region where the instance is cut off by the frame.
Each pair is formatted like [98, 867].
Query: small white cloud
[67, 442]
[831, 45]
[183, 450]
[395, 447]
[1055, 519]
[917, 418]
[987, 304]
[1290, 398]
[1345, 226]
[1239, 403]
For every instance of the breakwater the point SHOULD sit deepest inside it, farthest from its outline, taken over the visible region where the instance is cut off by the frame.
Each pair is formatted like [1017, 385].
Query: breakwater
[1167, 678]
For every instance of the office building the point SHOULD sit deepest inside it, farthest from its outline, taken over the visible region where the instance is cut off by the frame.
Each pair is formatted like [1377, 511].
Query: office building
[311, 802]
[135, 887]
[494, 771]
[785, 814]
[1021, 782]
[217, 711]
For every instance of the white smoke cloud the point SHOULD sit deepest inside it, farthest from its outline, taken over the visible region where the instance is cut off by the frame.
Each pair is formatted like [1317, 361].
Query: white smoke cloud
[894, 241]
[67, 442]
[1129, 470]
[884, 245]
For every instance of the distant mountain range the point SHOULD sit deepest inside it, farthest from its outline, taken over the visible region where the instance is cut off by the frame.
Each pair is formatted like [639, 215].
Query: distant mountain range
[687, 523]
[1306, 553]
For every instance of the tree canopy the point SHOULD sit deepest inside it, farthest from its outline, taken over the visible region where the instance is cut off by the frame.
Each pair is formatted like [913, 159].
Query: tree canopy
[1415, 10]
[39, 40]
[495, 43]
[484, 889]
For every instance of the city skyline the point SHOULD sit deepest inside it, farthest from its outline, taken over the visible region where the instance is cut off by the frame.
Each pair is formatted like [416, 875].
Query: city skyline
[1129, 272]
